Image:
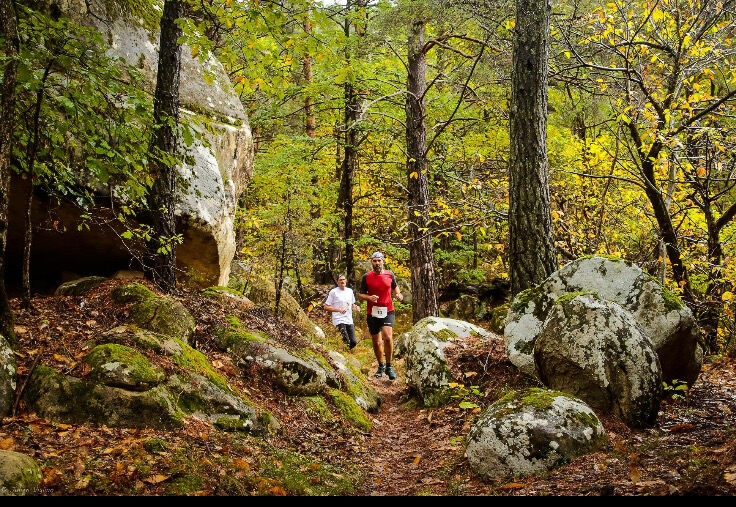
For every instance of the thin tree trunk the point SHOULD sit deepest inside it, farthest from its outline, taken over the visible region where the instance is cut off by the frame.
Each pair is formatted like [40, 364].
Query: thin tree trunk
[310, 120]
[7, 110]
[532, 254]
[421, 256]
[161, 248]
[349, 163]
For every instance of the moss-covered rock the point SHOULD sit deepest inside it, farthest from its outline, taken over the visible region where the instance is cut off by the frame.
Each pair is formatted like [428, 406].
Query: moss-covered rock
[228, 294]
[291, 373]
[194, 361]
[79, 287]
[427, 372]
[195, 394]
[163, 315]
[133, 336]
[132, 292]
[664, 319]
[65, 399]
[530, 432]
[7, 377]
[20, 475]
[497, 317]
[354, 383]
[120, 366]
[467, 307]
[350, 410]
[595, 350]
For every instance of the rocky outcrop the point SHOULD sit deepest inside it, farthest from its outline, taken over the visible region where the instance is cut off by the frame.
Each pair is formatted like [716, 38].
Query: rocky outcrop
[70, 400]
[467, 307]
[427, 372]
[530, 432]
[160, 314]
[219, 160]
[7, 377]
[596, 351]
[661, 315]
[80, 286]
[20, 475]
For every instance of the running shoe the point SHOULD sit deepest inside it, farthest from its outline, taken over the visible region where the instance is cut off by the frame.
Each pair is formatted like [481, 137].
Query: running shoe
[390, 372]
[381, 369]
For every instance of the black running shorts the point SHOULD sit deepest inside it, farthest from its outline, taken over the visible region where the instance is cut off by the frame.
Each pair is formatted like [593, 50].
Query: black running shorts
[375, 324]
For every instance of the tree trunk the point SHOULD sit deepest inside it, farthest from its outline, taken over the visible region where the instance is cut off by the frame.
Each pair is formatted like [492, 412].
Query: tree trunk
[310, 119]
[532, 256]
[161, 248]
[7, 109]
[349, 163]
[421, 256]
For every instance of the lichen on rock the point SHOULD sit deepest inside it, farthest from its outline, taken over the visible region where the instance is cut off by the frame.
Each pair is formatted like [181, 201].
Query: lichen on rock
[595, 350]
[663, 318]
[8, 375]
[427, 372]
[80, 286]
[364, 395]
[530, 432]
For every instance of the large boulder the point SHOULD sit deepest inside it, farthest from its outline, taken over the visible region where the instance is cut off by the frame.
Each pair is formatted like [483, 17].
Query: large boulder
[427, 372]
[219, 160]
[530, 432]
[70, 400]
[467, 307]
[661, 315]
[160, 314]
[595, 350]
[7, 377]
[20, 475]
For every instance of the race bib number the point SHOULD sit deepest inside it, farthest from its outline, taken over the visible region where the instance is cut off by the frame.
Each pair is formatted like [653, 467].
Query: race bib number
[379, 312]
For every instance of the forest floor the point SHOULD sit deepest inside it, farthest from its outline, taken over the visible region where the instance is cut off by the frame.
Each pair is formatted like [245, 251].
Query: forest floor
[409, 451]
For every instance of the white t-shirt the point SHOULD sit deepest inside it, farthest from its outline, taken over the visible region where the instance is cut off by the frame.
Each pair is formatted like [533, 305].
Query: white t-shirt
[341, 298]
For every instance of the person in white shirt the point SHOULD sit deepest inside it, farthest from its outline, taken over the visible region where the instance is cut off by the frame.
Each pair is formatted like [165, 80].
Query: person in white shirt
[341, 302]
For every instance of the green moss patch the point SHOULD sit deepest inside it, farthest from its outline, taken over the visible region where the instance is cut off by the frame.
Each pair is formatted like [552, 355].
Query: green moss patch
[350, 410]
[196, 362]
[300, 475]
[132, 292]
[316, 406]
[155, 446]
[121, 366]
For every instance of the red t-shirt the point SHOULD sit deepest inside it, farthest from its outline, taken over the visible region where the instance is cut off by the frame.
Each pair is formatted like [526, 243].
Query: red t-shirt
[379, 285]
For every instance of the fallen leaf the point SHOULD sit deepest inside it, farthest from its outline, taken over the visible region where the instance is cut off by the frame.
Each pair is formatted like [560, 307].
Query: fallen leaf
[7, 444]
[634, 474]
[83, 482]
[511, 485]
[241, 464]
[417, 460]
[277, 491]
[20, 329]
[157, 479]
[681, 428]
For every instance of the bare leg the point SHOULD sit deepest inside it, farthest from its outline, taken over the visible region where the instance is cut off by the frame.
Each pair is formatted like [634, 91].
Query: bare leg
[377, 349]
[388, 342]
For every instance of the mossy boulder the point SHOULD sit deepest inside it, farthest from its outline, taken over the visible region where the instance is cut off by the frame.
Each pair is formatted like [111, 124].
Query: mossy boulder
[355, 383]
[195, 394]
[530, 432]
[292, 374]
[20, 475]
[661, 315]
[497, 317]
[427, 372]
[350, 410]
[160, 314]
[467, 307]
[133, 336]
[69, 400]
[228, 294]
[7, 377]
[79, 287]
[120, 366]
[595, 350]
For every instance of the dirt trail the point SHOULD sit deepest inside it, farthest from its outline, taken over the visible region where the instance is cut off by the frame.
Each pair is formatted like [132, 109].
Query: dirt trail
[409, 452]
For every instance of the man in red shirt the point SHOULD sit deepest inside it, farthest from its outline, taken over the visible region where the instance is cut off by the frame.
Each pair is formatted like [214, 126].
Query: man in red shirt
[376, 288]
